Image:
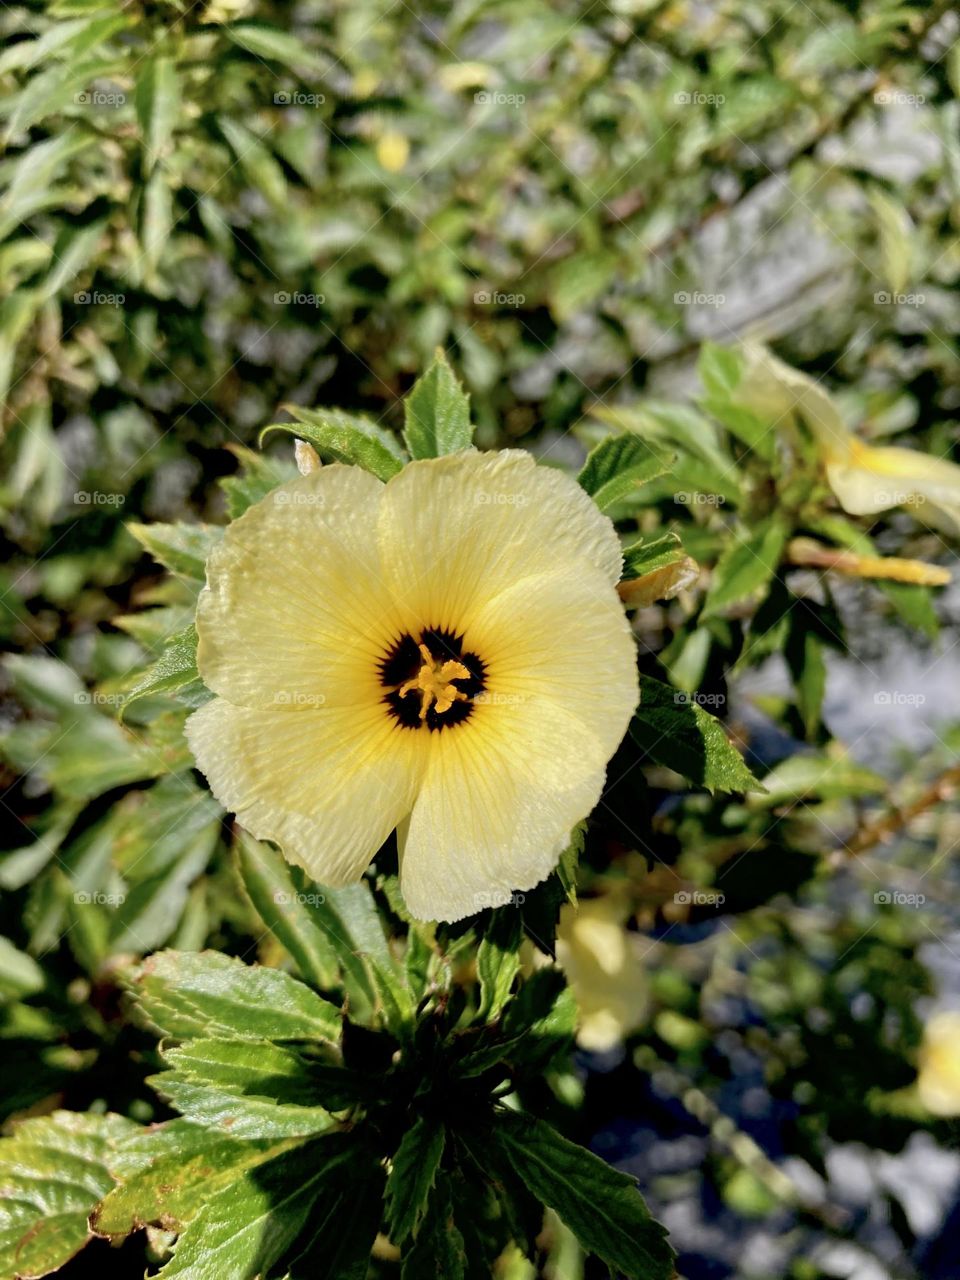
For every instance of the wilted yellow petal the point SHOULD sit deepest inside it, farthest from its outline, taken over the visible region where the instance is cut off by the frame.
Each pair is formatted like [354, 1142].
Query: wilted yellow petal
[661, 584]
[805, 551]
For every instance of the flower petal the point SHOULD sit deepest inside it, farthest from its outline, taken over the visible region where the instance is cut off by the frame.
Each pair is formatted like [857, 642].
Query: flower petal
[563, 636]
[326, 785]
[295, 612]
[455, 531]
[495, 812]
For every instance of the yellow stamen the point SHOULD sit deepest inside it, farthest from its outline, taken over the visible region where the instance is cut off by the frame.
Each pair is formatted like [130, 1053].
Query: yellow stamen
[433, 683]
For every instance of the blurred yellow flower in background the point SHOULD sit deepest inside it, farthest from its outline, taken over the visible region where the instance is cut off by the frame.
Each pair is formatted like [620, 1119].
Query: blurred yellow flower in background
[605, 973]
[444, 654]
[938, 1081]
[865, 478]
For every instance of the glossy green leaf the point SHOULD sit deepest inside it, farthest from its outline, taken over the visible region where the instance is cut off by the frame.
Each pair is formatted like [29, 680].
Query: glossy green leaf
[602, 1207]
[185, 995]
[618, 466]
[674, 730]
[437, 413]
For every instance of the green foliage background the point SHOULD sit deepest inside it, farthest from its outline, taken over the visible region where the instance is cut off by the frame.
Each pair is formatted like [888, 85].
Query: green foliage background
[211, 212]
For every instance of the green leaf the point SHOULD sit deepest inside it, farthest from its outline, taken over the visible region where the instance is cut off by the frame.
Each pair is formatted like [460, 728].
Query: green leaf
[676, 731]
[439, 1252]
[245, 1228]
[157, 102]
[277, 46]
[230, 1111]
[20, 975]
[437, 413]
[53, 1170]
[198, 994]
[181, 548]
[346, 437]
[258, 163]
[602, 1207]
[719, 369]
[329, 929]
[817, 777]
[498, 961]
[167, 1173]
[175, 671]
[258, 476]
[412, 1177]
[284, 906]
[617, 466]
[746, 566]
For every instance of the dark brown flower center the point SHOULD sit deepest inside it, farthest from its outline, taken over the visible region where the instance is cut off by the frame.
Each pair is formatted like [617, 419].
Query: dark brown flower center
[429, 681]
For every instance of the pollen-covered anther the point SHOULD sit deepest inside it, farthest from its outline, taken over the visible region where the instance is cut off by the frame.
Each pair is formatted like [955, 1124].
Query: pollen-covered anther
[434, 684]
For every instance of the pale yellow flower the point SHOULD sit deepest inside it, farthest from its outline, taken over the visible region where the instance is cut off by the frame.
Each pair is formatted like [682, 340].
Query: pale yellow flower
[938, 1082]
[606, 976]
[444, 654]
[865, 478]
